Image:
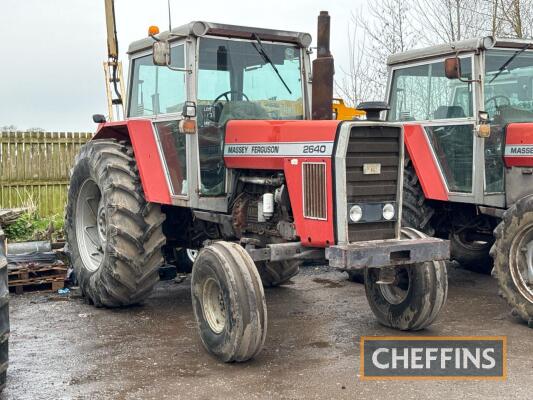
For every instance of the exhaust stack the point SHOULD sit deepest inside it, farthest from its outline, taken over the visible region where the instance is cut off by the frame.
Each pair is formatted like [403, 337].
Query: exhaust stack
[323, 70]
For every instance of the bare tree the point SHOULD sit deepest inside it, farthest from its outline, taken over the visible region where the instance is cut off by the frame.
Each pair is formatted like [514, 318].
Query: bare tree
[448, 21]
[358, 82]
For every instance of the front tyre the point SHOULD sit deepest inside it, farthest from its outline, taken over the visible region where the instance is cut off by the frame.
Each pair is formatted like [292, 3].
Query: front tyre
[414, 298]
[228, 302]
[115, 236]
[513, 258]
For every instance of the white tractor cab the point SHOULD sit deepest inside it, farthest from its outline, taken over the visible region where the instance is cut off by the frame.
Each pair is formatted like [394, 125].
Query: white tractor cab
[467, 109]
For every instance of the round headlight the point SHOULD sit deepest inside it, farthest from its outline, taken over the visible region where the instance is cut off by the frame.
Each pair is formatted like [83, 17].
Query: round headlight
[388, 212]
[356, 213]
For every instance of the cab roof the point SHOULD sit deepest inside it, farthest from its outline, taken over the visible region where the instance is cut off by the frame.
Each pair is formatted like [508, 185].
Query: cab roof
[202, 28]
[463, 46]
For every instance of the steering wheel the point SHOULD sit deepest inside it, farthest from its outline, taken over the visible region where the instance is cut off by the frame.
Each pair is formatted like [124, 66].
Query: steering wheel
[225, 95]
[495, 100]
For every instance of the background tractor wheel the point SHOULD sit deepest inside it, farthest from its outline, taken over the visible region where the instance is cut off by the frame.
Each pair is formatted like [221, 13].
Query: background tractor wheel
[356, 276]
[415, 298]
[4, 314]
[228, 302]
[275, 273]
[472, 255]
[115, 236]
[185, 259]
[513, 256]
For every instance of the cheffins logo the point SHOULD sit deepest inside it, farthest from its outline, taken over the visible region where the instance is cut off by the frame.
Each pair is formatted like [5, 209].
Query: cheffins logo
[419, 357]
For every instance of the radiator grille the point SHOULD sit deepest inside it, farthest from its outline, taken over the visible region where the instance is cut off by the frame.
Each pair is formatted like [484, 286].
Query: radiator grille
[314, 187]
[372, 144]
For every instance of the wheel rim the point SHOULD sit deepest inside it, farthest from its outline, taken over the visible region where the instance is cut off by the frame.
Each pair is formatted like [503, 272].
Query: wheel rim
[396, 292]
[521, 261]
[213, 305]
[192, 254]
[91, 225]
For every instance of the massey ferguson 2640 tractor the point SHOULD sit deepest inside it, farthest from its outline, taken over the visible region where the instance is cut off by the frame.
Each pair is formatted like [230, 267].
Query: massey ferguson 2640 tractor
[219, 153]
[467, 111]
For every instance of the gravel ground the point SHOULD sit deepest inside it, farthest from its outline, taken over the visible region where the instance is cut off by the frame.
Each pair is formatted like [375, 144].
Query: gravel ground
[62, 348]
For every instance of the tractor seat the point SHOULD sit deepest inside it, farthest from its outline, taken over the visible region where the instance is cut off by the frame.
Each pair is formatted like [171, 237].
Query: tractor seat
[445, 112]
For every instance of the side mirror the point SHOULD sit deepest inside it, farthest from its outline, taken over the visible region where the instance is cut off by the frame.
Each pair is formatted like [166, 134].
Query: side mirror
[99, 119]
[452, 68]
[161, 53]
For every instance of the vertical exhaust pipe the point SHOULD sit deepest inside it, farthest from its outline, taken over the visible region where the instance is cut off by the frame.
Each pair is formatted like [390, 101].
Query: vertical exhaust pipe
[323, 70]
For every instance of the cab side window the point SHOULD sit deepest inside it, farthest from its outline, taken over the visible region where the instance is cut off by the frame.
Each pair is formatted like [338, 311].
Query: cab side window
[157, 90]
[422, 93]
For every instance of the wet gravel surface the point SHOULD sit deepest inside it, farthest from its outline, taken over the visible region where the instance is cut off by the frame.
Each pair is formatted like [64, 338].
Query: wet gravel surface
[62, 348]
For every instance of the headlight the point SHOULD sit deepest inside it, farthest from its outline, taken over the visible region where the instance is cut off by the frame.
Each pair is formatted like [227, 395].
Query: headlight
[388, 212]
[356, 213]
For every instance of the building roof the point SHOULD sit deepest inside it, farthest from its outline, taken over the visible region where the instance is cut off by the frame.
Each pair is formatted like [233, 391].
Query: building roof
[202, 28]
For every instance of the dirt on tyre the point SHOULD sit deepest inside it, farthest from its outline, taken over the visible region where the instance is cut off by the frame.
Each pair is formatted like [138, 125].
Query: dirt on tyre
[115, 236]
[4, 314]
[513, 258]
[415, 298]
[228, 302]
[275, 273]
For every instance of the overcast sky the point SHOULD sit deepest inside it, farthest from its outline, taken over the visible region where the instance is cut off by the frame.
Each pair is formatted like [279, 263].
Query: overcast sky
[51, 52]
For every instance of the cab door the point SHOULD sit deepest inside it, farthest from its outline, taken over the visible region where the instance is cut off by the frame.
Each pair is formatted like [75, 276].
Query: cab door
[440, 113]
[159, 93]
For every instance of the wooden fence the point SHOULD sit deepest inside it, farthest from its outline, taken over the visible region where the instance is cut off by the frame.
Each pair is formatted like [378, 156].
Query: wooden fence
[35, 168]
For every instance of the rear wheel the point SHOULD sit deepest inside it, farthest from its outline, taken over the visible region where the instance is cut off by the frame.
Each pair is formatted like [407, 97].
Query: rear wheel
[414, 294]
[228, 302]
[115, 236]
[416, 212]
[513, 258]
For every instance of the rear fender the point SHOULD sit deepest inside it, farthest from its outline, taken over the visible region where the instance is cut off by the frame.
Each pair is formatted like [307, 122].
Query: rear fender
[140, 134]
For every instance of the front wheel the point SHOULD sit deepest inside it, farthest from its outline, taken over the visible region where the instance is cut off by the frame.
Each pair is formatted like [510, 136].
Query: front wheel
[412, 295]
[228, 302]
[513, 258]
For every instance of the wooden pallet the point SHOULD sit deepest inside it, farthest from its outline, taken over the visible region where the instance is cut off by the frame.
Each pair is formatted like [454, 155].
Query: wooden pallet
[36, 277]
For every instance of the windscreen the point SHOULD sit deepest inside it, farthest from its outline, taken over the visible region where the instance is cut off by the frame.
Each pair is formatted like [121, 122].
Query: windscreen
[250, 79]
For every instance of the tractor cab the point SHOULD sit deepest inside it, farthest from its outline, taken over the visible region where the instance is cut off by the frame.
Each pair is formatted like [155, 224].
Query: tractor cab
[457, 101]
[209, 74]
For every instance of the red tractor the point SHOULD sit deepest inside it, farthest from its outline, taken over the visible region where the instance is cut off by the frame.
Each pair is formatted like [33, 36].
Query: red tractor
[467, 110]
[219, 153]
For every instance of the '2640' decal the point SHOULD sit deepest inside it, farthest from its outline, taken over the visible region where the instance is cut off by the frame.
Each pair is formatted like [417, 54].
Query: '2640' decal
[286, 149]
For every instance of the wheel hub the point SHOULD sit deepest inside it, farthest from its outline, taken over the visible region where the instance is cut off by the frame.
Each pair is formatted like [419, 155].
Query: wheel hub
[213, 305]
[521, 262]
[91, 225]
[396, 287]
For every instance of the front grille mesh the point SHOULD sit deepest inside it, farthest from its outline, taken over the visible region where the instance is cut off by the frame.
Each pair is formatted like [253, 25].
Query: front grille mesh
[314, 186]
[372, 144]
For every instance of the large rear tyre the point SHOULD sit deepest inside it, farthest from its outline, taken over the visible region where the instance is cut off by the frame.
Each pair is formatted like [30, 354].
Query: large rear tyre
[4, 315]
[513, 258]
[275, 273]
[472, 255]
[416, 296]
[115, 237]
[416, 212]
[228, 302]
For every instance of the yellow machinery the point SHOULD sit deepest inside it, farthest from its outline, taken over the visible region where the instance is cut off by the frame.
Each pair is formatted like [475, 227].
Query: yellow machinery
[343, 112]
